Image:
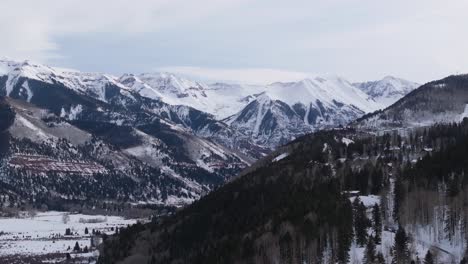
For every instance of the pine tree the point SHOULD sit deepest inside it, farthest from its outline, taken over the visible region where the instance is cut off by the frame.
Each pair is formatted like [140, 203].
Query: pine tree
[345, 231]
[428, 259]
[400, 248]
[377, 181]
[369, 252]
[377, 224]
[399, 197]
[77, 247]
[152, 260]
[86, 231]
[361, 222]
[379, 259]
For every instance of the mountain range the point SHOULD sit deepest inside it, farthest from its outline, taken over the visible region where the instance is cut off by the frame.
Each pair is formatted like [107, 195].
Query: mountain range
[187, 136]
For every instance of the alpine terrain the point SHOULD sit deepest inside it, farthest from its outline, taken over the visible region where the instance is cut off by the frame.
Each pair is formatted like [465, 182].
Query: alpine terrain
[158, 138]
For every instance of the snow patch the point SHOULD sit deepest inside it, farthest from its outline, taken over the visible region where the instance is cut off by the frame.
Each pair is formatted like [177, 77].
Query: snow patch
[347, 141]
[44, 233]
[280, 157]
[367, 200]
[28, 91]
[465, 113]
[75, 111]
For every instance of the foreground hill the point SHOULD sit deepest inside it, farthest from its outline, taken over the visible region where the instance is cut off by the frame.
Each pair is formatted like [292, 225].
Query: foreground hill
[331, 197]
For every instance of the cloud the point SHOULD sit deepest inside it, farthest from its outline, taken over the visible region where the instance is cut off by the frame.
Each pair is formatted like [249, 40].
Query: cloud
[28, 28]
[247, 75]
[424, 41]
[360, 39]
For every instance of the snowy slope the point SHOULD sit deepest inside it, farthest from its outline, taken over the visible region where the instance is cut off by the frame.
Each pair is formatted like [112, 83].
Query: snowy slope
[219, 99]
[285, 111]
[93, 84]
[388, 90]
[223, 99]
[441, 101]
[269, 122]
[327, 90]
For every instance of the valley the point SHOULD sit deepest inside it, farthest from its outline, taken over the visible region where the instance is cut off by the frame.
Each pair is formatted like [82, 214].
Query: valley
[40, 237]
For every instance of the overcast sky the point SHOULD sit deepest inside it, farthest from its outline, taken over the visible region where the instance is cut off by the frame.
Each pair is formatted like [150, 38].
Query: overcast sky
[253, 41]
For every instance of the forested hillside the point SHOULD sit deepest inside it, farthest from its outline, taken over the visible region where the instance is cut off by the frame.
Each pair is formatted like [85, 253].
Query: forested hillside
[331, 197]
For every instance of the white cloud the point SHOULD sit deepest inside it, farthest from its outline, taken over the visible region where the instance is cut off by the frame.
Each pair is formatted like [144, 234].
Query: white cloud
[247, 75]
[427, 41]
[361, 39]
[28, 27]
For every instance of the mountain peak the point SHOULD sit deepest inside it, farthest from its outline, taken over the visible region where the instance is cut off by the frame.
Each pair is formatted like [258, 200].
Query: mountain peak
[387, 90]
[425, 106]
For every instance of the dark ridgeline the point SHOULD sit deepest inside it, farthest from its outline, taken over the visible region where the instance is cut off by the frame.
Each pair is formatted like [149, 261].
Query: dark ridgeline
[297, 210]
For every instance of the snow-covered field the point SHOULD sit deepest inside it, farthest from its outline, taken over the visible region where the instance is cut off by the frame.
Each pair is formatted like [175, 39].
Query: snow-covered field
[44, 233]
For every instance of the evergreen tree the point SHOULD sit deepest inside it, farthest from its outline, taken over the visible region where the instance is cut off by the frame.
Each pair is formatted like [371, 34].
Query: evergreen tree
[152, 260]
[379, 259]
[377, 181]
[86, 231]
[345, 231]
[7, 115]
[399, 196]
[428, 259]
[77, 247]
[369, 252]
[361, 222]
[377, 224]
[400, 248]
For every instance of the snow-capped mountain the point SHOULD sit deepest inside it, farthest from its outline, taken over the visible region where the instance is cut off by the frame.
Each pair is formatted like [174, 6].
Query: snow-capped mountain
[388, 90]
[269, 122]
[329, 90]
[441, 101]
[26, 80]
[294, 108]
[168, 88]
[97, 85]
[226, 99]
[285, 111]
[276, 113]
[158, 153]
[219, 99]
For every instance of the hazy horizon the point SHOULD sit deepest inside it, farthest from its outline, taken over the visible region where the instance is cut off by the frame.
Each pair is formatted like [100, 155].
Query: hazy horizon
[239, 40]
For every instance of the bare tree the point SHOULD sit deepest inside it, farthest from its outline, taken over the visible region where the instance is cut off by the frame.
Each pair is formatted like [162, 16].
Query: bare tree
[65, 218]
